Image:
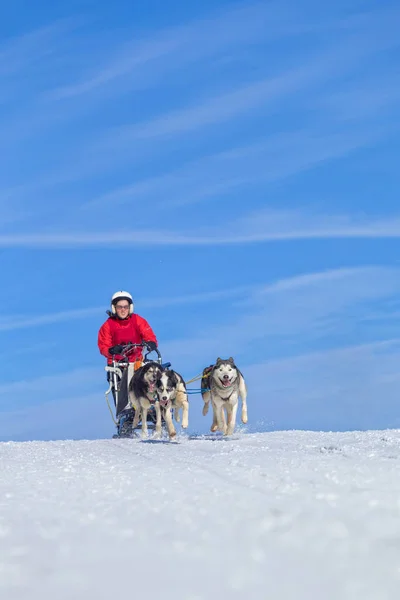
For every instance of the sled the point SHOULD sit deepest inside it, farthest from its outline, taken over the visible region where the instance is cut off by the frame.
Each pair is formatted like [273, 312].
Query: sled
[117, 374]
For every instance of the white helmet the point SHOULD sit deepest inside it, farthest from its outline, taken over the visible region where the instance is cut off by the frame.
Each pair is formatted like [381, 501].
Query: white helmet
[121, 295]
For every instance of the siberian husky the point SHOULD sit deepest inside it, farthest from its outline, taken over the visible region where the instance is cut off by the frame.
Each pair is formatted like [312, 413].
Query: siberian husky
[223, 384]
[142, 395]
[172, 394]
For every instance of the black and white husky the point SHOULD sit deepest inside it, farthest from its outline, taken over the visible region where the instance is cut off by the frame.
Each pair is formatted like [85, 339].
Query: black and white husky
[142, 395]
[224, 384]
[172, 394]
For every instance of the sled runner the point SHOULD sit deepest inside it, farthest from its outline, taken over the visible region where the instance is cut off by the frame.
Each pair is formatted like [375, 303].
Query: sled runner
[119, 373]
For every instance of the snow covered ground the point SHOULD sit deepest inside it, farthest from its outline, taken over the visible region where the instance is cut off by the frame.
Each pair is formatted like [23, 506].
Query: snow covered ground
[283, 515]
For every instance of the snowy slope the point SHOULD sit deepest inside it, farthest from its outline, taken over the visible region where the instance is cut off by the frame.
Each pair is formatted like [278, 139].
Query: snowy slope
[284, 515]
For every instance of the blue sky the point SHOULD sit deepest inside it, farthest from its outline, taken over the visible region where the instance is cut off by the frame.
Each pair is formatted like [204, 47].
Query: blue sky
[234, 166]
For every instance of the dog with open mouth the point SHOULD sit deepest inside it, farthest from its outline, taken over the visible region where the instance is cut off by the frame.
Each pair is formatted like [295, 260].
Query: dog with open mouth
[172, 397]
[142, 395]
[223, 384]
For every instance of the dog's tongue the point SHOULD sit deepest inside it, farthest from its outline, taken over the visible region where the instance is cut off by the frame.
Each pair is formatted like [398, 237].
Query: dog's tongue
[226, 383]
[152, 386]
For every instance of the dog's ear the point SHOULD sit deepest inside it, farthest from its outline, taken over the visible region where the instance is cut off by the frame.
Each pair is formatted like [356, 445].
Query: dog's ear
[231, 360]
[219, 360]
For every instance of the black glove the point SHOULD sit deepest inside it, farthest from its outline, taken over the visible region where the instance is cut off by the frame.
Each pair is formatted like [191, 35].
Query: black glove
[116, 349]
[151, 346]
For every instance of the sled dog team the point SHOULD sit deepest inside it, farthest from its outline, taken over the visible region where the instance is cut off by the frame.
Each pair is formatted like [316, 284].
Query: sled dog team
[222, 384]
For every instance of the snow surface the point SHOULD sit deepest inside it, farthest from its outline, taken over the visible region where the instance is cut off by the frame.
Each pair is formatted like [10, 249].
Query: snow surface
[274, 516]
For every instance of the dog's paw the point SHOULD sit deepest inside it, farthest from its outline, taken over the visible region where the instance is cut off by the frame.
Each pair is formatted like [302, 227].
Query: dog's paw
[244, 418]
[205, 409]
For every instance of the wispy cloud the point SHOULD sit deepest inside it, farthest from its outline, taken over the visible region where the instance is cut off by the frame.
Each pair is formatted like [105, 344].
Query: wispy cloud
[245, 24]
[301, 83]
[362, 99]
[140, 61]
[29, 62]
[268, 225]
[259, 227]
[64, 384]
[79, 416]
[197, 298]
[306, 74]
[145, 60]
[54, 406]
[321, 306]
[62, 405]
[21, 52]
[219, 109]
[282, 307]
[348, 387]
[275, 158]
[266, 161]
[12, 323]
[32, 349]
[331, 276]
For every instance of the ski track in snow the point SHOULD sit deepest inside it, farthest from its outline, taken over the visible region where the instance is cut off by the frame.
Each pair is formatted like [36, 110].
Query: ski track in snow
[282, 515]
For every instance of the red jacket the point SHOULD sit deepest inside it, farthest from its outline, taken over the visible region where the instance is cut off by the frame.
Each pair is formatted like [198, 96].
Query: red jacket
[115, 331]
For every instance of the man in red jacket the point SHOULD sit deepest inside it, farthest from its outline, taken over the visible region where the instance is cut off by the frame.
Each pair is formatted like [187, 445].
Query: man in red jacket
[124, 326]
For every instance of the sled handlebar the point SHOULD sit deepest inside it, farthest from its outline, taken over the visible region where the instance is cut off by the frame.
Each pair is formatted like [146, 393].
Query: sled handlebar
[157, 352]
[127, 348]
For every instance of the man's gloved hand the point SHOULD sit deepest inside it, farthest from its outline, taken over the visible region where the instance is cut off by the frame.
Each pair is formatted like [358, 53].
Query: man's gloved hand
[116, 349]
[151, 346]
